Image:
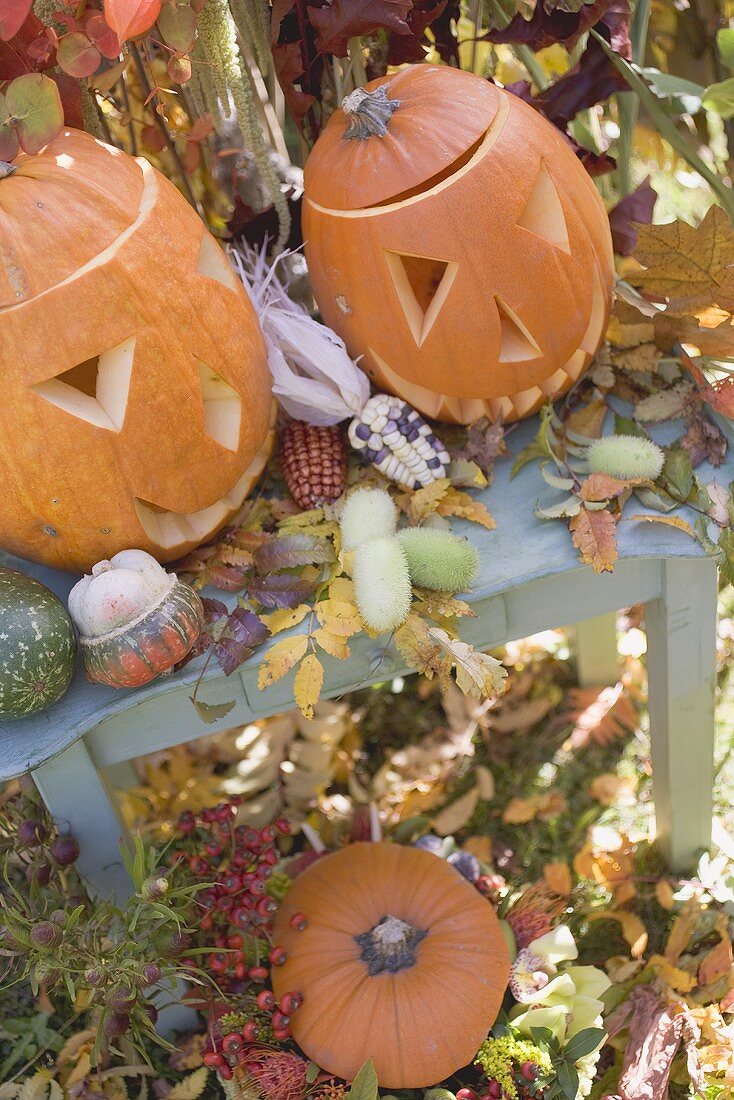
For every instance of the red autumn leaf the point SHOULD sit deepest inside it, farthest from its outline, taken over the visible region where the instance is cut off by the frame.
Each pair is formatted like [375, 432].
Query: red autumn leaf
[77, 56]
[153, 139]
[201, 128]
[635, 207]
[41, 50]
[12, 16]
[179, 68]
[130, 18]
[103, 36]
[720, 395]
[70, 91]
[341, 20]
[191, 156]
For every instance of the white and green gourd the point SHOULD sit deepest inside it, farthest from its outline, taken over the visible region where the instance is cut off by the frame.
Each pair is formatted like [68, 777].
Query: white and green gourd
[438, 559]
[37, 646]
[626, 457]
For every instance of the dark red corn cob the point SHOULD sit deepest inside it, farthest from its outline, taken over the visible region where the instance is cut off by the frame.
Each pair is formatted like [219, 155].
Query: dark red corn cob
[314, 463]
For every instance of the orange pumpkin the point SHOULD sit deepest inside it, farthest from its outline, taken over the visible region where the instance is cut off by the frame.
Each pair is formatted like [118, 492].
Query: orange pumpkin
[456, 243]
[136, 395]
[401, 961]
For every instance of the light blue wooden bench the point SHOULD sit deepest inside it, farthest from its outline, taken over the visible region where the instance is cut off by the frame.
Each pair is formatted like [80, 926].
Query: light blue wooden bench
[530, 580]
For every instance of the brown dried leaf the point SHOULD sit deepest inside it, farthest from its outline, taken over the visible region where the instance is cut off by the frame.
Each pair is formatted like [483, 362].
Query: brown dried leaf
[599, 487]
[455, 502]
[594, 535]
[598, 714]
[692, 267]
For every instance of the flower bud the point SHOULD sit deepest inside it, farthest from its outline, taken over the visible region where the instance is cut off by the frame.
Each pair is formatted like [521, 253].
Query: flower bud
[45, 935]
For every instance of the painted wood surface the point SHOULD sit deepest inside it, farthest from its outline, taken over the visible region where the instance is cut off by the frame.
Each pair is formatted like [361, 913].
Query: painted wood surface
[521, 553]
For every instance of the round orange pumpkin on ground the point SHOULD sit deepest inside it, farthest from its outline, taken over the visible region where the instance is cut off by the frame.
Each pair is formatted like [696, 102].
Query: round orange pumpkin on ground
[401, 961]
[136, 394]
[456, 243]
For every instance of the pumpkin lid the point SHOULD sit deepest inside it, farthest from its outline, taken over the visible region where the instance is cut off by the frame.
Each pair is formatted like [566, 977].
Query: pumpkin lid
[60, 209]
[372, 151]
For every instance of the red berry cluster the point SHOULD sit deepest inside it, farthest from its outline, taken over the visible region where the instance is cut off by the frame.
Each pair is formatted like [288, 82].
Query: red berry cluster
[238, 861]
[525, 1087]
[273, 1020]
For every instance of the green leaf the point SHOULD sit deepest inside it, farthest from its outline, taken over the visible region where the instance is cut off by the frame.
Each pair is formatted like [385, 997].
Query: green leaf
[364, 1086]
[658, 501]
[212, 712]
[177, 24]
[719, 98]
[726, 555]
[34, 103]
[678, 472]
[9, 144]
[583, 1043]
[541, 1036]
[684, 95]
[725, 42]
[312, 1072]
[667, 127]
[568, 1079]
[623, 425]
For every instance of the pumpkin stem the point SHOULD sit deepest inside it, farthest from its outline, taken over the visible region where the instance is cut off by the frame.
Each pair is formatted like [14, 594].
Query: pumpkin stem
[7, 169]
[390, 945]
[368, 112]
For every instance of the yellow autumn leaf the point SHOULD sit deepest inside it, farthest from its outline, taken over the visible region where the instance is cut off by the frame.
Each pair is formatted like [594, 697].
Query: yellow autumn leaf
[455, 816]
[286, 617]
[308, 683]
[191, 1087]
[588, 419]
[682, 930]
[332, 644]
[669, 521]
[557, 876]
[339, 617]
[633, 930]
[342, 590]
[519, 811]
[679, 980]
[477, 674]
[455, 502]
[280, 659]
[664, 894]
[423, 502]
[717, 963]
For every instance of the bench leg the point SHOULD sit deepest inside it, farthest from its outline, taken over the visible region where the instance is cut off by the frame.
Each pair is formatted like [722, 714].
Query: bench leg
[597, 660]
[79, 800]
[681, 666]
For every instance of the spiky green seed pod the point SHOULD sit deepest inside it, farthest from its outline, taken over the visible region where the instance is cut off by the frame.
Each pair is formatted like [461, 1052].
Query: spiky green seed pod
[625, 456]
[382, 584]
[438, 559]
[367, 514]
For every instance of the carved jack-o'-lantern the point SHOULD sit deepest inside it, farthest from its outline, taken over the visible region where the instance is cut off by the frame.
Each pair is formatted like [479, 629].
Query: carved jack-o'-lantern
[457, 244]
[136, 395]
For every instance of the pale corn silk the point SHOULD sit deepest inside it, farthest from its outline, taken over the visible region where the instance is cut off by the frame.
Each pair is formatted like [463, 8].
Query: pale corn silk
[314, 377]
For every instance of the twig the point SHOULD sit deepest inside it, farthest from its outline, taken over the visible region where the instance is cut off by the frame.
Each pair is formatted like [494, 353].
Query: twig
[154, 100]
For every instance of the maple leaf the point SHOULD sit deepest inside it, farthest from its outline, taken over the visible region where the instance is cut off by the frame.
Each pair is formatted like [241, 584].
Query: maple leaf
[691, 267]
[594, 535]
[340, 20]
[307, 684]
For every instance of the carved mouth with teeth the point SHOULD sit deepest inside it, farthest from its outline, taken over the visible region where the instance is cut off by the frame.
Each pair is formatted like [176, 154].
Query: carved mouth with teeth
[479, 291]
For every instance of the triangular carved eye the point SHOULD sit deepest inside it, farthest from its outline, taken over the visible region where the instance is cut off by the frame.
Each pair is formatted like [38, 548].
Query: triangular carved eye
[95, 390]
[422, 284]
[213, 263]
[516, 341]
[543, 213]
[222, 408]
